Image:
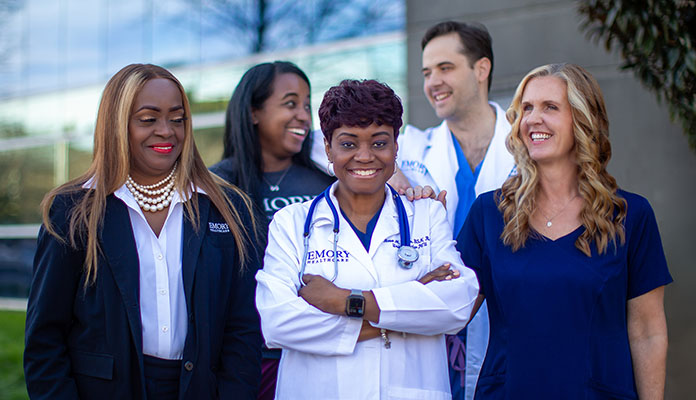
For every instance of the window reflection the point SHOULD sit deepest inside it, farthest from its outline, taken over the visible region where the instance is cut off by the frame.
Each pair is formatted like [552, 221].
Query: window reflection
[55, 58]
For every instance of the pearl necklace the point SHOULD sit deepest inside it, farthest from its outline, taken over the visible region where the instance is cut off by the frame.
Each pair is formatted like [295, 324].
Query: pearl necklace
[150, 198]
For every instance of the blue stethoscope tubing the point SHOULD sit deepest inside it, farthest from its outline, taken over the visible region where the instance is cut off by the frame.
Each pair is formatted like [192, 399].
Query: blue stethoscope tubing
[406, 254]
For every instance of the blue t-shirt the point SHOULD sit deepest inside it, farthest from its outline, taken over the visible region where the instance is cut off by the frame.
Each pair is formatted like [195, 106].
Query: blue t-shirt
[558, 327]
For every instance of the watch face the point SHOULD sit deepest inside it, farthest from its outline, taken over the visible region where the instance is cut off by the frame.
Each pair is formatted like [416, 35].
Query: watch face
[355, 306]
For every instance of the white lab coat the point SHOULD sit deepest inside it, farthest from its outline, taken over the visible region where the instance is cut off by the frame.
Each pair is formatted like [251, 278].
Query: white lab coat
[429, 158]
[321, 356]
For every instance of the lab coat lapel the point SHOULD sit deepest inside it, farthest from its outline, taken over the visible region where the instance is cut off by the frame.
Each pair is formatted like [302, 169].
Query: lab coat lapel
[441, 162]
[498, 162]
[118, 245]
[387, 224]
[192, 242]
[347, 239]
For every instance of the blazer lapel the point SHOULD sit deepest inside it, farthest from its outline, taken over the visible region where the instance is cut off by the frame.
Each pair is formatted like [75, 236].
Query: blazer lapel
[121, 254]
[192, 242]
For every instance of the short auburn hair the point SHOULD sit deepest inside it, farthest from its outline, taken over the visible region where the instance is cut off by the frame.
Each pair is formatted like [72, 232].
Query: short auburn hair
[360, 103]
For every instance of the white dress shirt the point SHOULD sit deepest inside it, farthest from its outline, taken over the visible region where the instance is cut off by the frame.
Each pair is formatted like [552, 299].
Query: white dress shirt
[162, 301]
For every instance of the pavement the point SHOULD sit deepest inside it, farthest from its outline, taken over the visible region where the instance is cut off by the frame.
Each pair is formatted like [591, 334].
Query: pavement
[13, 304]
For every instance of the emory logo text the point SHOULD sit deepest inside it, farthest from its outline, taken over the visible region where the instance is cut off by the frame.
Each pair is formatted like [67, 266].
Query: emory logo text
[218, 227]
[319, 256]
[413, 165]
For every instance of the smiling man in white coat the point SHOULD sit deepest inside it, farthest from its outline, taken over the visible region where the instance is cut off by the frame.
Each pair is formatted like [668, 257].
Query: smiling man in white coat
[465, 155]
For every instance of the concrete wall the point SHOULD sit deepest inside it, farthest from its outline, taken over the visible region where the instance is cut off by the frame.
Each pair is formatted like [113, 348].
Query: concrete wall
[651, 155]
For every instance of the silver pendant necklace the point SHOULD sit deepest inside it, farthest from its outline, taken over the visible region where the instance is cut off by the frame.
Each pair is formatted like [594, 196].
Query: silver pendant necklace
[276, 187]
[549, 222]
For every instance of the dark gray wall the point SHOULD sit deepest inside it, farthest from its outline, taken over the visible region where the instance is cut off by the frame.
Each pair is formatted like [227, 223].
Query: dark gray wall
[651, 155]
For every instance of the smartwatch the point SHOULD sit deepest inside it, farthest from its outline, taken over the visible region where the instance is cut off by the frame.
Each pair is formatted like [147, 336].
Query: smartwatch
[355, 304]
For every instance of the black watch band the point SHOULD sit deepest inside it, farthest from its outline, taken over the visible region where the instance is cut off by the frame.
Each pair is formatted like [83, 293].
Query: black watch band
[355, 304]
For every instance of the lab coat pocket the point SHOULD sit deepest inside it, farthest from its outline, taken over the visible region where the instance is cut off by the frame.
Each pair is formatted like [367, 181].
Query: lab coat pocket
[92, 364]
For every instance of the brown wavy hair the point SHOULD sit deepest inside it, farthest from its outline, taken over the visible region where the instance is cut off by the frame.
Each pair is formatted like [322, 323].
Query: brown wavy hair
[603, 211]
[111, 164]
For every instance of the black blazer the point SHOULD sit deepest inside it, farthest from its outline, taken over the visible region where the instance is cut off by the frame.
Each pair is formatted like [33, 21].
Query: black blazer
[87, 342]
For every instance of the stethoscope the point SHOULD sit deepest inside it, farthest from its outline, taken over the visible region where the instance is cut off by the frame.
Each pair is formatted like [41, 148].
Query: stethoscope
[406, 254]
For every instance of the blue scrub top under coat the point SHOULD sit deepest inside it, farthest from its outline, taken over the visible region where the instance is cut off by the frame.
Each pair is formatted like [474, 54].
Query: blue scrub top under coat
[365, 237]
[465, 180]
[557, 317]
[466, 186]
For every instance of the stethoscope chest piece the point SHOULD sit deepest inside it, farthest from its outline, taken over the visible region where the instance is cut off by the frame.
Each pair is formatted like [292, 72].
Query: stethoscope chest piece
[407, 256]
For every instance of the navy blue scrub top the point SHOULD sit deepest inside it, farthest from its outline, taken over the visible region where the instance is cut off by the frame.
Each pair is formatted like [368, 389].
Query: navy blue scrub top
[365, 237]
[557, 317]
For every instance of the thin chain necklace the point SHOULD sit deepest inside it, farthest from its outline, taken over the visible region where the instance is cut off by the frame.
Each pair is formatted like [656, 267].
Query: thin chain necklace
[276, 187]
[155, 197]
[548, 220]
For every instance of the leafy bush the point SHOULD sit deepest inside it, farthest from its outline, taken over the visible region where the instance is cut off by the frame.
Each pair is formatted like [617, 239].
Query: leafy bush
[11, 348]
[656, 39]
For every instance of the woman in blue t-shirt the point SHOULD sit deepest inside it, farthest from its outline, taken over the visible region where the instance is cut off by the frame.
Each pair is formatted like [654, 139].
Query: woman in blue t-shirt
[267, 140]
[266, 153]
[571, 266]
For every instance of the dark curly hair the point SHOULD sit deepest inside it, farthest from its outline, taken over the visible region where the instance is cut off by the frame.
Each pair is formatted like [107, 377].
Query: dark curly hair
[360, 103]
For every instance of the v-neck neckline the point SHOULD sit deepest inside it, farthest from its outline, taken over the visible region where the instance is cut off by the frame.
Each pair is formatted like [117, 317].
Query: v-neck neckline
[560, 238]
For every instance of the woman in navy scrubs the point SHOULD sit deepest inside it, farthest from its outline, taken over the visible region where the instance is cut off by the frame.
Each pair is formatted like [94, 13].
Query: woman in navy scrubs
[572, 266]
[143, 280]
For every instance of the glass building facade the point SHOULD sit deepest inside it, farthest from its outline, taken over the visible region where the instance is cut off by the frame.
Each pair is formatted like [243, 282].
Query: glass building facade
[55, 58]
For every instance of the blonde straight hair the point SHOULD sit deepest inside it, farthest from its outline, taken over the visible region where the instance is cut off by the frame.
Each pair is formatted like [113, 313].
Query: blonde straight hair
[603, 211]
[111, 164]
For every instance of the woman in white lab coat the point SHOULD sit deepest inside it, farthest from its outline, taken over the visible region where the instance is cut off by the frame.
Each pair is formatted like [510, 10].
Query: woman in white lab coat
[356, 316]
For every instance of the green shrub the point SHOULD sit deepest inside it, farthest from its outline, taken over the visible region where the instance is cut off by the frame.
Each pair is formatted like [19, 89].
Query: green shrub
[656, 39]
[11, 349]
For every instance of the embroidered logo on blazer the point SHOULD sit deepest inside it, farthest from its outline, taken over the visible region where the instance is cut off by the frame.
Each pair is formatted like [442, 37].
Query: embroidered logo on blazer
[218, 227]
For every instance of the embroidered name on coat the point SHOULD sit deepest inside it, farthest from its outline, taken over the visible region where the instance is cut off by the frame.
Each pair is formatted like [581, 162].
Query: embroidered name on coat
[218, 227]
[416, 243]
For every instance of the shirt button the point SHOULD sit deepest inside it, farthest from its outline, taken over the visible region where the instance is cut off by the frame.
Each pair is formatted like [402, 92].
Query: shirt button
[188, 365]
[163, 291]
[159, 257]
[165, 328]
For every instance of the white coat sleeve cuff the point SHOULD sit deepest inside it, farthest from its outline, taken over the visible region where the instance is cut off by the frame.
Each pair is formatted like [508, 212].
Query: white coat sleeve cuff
[387, 306]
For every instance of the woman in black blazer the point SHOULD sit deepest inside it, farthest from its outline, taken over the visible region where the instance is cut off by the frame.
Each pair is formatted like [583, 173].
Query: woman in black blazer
[144, 274]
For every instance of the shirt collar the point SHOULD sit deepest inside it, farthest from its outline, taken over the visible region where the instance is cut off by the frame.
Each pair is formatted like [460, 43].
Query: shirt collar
[127, 197]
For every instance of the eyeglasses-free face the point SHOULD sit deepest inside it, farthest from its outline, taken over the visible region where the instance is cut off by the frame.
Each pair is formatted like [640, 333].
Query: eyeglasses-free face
[156, 131]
